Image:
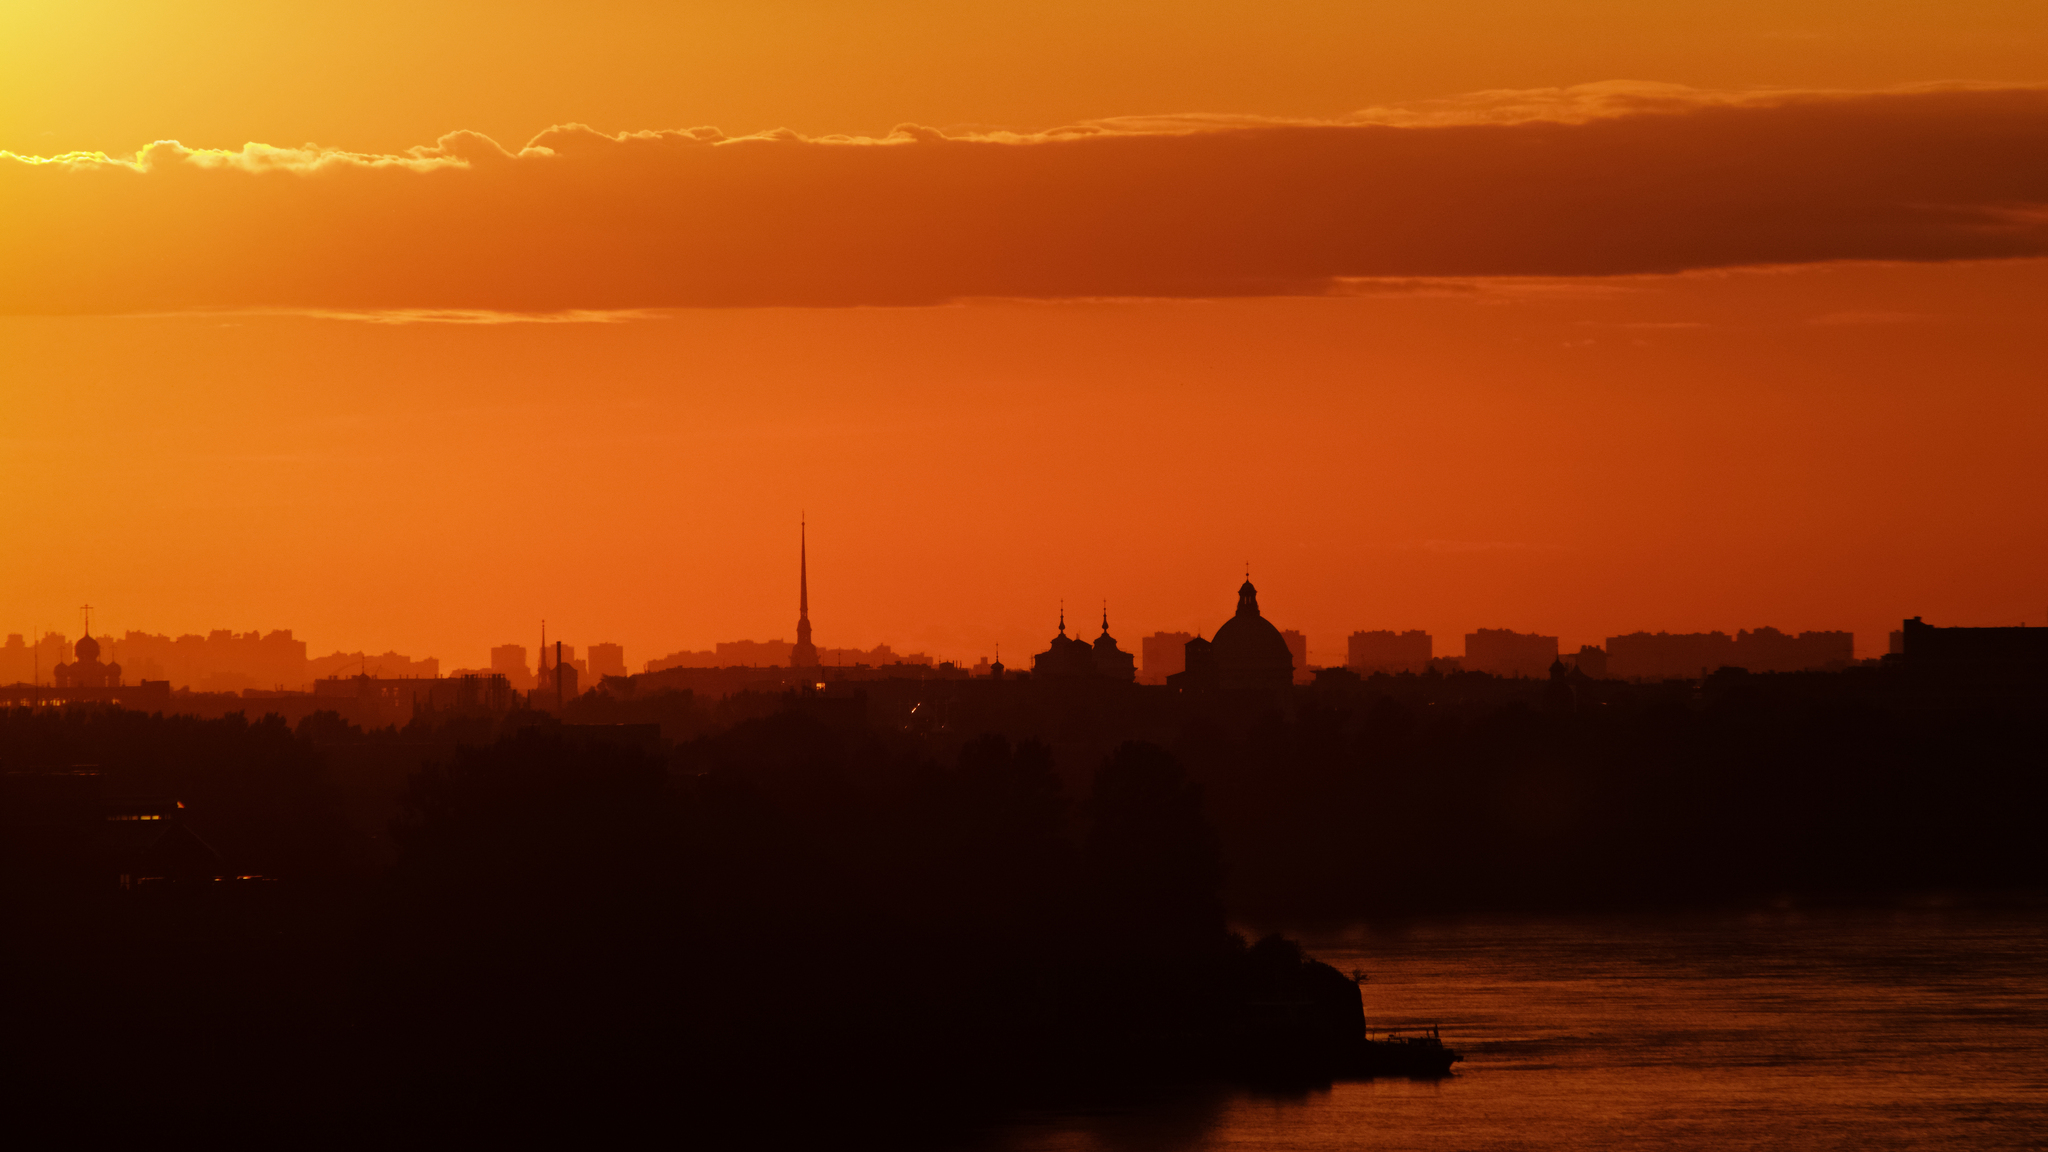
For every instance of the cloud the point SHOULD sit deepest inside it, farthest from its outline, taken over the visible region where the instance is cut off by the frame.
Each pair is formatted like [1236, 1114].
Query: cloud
[1467, 547]
[469, 316]
[1613, 99]
[1834, 319]
[1601, 180]
[1646, 325]
[455, 150]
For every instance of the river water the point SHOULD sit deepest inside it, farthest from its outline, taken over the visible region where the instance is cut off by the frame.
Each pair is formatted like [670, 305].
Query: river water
[1914, 1029]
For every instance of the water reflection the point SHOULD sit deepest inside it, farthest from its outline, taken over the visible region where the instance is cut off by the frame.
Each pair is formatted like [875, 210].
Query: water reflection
[1899, 1030]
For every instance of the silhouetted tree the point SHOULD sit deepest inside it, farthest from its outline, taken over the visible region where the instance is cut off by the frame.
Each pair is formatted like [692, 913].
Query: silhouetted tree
[1151, 874]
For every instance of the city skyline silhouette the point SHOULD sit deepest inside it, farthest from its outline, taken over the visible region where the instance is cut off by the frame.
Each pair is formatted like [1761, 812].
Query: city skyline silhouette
[1386, 577]
[276, 659]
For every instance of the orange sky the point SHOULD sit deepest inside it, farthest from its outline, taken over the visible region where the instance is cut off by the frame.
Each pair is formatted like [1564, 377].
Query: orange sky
[1619, 356]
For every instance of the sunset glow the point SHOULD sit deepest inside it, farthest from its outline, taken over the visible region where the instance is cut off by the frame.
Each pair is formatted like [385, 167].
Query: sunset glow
[1443, 317]
[1313, 575]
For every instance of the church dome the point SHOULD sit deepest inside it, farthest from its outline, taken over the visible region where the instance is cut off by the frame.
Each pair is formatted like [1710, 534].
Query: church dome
[1248, 649]
[1252, 640]
[1067, 656]
[87, 648]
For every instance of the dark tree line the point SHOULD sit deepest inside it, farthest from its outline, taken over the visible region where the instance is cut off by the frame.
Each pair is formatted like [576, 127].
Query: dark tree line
[792, 925]
[255, 791]
[794, 910]
[1406, 796]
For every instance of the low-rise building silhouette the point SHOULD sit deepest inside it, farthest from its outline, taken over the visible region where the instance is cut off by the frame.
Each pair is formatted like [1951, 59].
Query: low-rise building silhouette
[377, 702]
[1667, 655]
[878, 656]
[1386, 651]
[25, 663]
[220, 661]
[757, 654]
[391, 664]
[1297, 649]
[780, 654]
[607, 660]
[2018, 654]
[509, 661]
[1769, 650]
[1504, 652]
[686, 658]
[1589, 661]
[1163, 654]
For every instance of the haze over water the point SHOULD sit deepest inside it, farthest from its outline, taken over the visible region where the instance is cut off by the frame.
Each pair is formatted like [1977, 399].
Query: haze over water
[1918, 1029]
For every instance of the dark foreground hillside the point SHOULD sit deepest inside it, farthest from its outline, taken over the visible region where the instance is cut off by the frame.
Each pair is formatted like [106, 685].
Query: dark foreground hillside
[788, 930]
[795, 916]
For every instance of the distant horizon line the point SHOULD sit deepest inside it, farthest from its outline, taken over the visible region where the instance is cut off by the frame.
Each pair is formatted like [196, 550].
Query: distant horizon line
[1324, 654]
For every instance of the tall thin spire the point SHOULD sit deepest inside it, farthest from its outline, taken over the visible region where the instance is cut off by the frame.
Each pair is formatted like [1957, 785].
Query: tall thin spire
[1105, 617]
[804, 654]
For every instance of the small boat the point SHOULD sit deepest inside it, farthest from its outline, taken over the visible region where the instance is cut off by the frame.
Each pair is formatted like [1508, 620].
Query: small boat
[1404, 1052]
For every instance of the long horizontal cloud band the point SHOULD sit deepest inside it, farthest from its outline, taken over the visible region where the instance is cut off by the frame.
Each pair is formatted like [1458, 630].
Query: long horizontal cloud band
[580, 220]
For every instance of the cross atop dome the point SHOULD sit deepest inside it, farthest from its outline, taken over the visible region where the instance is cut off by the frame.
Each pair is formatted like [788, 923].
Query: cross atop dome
[86, 671]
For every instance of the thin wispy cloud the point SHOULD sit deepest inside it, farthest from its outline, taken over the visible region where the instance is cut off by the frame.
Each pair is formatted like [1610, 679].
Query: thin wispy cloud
[1469, 547]
[405, 316]
[1545, 192]
[482, 316]
[1841, 319]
